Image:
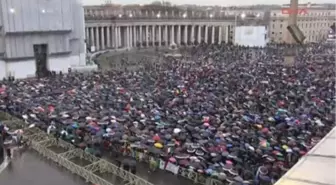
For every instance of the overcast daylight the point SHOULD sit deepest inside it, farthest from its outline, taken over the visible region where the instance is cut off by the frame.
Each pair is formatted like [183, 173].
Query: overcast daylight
[206, 2]
[167, 92]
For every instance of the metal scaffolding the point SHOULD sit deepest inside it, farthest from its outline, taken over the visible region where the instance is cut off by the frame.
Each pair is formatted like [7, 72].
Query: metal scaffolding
[40, 141]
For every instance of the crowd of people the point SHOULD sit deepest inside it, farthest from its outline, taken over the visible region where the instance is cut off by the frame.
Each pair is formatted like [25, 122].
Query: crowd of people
[234, 113]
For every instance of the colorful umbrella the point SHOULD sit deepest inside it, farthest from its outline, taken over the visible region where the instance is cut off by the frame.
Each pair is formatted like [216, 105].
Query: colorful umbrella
[158, 145]
[264, 143]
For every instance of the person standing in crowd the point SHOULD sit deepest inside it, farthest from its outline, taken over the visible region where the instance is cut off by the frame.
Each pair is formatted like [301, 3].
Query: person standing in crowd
[152, 164]
[235, 112]
[2, 151]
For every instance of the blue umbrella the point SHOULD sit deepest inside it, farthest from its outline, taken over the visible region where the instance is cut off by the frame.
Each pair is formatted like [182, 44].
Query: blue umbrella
[75, 125]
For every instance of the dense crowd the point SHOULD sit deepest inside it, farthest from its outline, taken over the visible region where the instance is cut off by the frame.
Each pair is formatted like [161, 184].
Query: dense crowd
[231, 112]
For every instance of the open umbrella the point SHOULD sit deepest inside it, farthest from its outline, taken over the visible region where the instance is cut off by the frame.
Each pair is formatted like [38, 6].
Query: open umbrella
[158, 145]
[154, 150]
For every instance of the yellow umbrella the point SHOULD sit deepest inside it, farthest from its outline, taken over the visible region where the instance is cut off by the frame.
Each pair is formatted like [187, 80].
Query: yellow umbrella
[285, 147]
[158, 145]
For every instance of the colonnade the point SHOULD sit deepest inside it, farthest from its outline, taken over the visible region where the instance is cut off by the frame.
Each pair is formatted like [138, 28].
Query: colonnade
[130, 36]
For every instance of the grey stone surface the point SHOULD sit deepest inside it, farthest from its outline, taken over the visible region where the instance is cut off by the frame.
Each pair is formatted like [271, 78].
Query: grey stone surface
[317, 167]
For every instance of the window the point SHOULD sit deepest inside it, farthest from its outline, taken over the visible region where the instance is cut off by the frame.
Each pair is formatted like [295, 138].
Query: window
[280, 33]
[280, 25]
[273, 26]
[272, 33]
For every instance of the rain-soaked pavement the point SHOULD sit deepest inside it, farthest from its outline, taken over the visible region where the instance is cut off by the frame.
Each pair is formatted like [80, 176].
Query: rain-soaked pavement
[29, 168]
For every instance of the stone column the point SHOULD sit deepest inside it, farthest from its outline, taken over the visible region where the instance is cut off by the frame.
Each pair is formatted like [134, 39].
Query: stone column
[119, 36]
[131, 36]
[206, 34]
[102, 41]
[172, 34]
[115, 42]
[212, 34]
[135, 38]
[192, 38]
[91, 37]
[186, 34]
[292, 20]
[97, 38]
[108, 36]
[153, 35]
[199, 34]
[140, 35]
[147, 35]
[87, 35]
[160, 35]
[116, 34]
[226, 34]
[178, 35]
[124, 41]
[127, 37]
[113, 38]
[166, 35]
[220, 34]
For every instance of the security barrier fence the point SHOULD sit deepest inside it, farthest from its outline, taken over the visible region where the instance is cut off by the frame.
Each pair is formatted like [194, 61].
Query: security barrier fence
[41, 141]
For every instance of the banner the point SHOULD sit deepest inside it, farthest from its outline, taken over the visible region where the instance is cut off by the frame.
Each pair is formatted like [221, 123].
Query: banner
[172, 168]
[251, 36]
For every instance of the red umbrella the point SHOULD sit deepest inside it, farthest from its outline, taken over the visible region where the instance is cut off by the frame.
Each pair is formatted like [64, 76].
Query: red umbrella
[156, 138]
[128, 107]
[281, 103]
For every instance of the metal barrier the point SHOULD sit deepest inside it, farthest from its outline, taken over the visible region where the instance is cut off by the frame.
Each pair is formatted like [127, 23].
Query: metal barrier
[196, 177]
[40, 142]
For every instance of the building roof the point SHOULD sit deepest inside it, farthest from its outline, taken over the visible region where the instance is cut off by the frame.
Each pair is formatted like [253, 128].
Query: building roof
[317, 167]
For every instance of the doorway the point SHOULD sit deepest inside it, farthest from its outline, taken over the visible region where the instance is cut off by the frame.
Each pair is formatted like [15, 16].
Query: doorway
[41, 59]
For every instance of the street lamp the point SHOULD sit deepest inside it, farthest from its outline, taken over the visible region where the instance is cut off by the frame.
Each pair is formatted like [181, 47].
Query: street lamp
[243, 15]
[119, 15]
[158, 15]
[130, 15]
[211, 15]
[12, 10]
[184, 15]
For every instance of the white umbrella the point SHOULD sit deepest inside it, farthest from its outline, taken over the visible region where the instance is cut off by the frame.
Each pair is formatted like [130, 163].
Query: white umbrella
[177, 130]
[31, 125]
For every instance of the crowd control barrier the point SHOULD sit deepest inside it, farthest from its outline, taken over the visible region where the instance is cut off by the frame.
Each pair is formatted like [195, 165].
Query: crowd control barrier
[40, 141]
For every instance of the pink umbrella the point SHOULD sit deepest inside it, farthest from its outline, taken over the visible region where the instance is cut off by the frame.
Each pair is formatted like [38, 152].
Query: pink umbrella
[228, 162]
[172, 159]
[206, 124]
